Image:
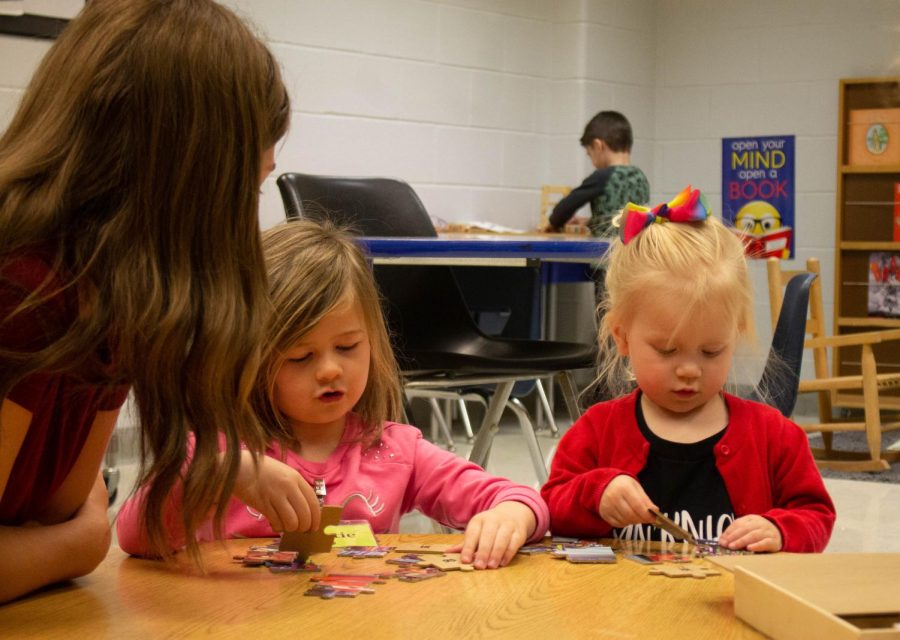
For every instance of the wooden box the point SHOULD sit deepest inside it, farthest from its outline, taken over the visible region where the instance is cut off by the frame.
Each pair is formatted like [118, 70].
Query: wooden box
[831, 595]
[874, 137]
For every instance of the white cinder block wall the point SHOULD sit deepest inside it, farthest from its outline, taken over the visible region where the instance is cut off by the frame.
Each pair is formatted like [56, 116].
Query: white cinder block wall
[479, 102]
[475, 103]
[727, 68]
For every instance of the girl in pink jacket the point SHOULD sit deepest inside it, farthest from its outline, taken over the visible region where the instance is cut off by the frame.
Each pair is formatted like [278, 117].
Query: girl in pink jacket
[326, 395]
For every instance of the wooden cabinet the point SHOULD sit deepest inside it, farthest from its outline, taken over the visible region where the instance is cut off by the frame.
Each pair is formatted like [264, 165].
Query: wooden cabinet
[865, 211]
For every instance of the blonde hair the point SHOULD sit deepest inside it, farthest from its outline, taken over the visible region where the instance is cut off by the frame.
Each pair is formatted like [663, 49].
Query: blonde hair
[134, 158]
[313, 268]
[694, 263]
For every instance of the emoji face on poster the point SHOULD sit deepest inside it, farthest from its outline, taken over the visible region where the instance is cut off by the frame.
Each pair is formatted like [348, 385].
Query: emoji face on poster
[759, 222]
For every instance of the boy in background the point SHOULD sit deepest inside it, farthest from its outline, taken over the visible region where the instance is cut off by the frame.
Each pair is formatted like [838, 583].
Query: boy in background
[607, 140]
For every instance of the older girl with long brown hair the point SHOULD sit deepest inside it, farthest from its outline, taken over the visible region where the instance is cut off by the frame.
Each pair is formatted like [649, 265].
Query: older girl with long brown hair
[130, 259]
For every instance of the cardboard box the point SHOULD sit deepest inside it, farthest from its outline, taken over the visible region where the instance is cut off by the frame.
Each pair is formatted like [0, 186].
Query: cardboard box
[874, 137]
[791, 596]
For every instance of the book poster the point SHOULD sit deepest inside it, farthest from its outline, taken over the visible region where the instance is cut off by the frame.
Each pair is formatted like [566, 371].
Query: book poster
[884, 284]
[758, 193]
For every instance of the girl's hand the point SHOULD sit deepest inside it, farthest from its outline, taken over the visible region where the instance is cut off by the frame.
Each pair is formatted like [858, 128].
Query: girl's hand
[278, 492]
[492, 537]
[624, 502]
[753, 533]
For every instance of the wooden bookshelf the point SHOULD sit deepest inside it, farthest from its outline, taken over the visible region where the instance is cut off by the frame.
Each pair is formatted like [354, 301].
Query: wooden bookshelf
[865, 224]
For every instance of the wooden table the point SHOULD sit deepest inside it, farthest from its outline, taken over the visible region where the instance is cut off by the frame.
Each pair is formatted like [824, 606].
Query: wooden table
[535, 597]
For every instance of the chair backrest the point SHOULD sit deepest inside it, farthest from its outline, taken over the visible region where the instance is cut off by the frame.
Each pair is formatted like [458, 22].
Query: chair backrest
[815, 323]
[425, 309]
[781, 376]
[372, 206]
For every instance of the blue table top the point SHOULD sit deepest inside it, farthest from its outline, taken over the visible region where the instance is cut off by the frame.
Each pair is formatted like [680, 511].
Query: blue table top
[546, 248]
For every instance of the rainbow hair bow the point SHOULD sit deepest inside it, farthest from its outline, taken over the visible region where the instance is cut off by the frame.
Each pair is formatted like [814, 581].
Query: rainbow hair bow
[688, 206]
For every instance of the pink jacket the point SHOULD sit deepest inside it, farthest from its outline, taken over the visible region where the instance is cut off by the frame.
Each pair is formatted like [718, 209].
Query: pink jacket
[400, 473]
[763, 457]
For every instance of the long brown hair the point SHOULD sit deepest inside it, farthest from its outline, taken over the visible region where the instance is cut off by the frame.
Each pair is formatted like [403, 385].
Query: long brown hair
[134, 158]
[313, 268]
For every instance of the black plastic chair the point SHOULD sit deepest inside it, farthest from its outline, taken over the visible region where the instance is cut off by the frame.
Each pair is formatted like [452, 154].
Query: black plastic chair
[437, 342]
[780, 381]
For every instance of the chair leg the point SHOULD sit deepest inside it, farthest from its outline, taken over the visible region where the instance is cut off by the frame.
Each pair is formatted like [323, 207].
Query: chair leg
[481, 446]
[825, 415]
[870, 402]
[567, 385]
[407, 416]
[438, 416]
[464, 414]
[534, 447]
[545, 403]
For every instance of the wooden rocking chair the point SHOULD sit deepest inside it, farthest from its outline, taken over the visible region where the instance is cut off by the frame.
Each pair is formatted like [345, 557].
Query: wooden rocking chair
[846, 391]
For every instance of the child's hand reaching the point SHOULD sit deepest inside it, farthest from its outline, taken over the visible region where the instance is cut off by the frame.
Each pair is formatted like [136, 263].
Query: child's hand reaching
[492, 537]
[624, 502]
[278, 492]
[753, 533]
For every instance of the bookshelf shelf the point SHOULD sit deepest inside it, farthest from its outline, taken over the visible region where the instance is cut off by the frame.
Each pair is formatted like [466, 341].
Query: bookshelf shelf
[855, 168]
[870, 246]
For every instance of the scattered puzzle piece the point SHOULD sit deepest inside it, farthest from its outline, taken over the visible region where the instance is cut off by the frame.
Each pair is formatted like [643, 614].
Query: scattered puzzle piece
[712, 548]
[417, 574]
[447, 562]
[684, 571]
[589, 554]
[364, 552]
[277, 561]
[421, 548]
[410, 559]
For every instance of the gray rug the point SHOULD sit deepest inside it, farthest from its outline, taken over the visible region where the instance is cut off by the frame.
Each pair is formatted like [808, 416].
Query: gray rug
[856, 441]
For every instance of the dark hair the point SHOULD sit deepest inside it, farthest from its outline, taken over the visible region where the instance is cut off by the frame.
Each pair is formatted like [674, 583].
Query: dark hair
[612, 128]
[135, 157]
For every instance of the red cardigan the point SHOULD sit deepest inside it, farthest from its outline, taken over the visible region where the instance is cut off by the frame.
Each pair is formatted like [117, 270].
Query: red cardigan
[763, 457]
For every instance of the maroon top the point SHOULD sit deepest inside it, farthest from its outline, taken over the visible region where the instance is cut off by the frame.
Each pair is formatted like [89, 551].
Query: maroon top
[63, 405]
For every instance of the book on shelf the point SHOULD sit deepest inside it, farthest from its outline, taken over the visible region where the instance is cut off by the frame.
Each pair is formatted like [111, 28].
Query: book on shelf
[884, 284]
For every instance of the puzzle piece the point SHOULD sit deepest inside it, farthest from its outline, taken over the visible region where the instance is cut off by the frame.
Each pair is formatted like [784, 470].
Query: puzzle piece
[417, 574]
[642, 558]
[310, 542]
[684, 571]
[591, 555]
[352, 533]
[421, 548]
[447, 562]
[407, 560]
[364, 552]
[712, 548]
[277, 561]
[672, 528]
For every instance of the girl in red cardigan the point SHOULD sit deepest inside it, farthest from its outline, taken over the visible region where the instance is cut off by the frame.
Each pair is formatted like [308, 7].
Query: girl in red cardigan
[678, 301]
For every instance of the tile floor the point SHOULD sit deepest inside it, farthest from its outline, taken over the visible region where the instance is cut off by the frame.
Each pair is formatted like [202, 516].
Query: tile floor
[868, 515]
